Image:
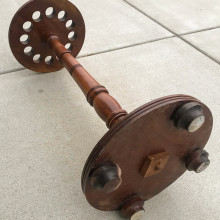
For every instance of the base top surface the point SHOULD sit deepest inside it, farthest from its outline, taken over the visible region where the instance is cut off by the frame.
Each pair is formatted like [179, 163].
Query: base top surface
[147, 132]
[39, 18]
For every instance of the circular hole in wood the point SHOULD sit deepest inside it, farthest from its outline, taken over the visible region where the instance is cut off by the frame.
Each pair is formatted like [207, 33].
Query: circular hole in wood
[70, 25]
[62, 16]
[37, 58]
[49, 60]
[69, 46]
[50, 12]
[27, 26]
[72, 36]
[28, 51]
[37, 17]
[24, 39]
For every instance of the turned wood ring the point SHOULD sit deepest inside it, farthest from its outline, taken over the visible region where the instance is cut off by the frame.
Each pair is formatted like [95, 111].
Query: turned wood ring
[39, 16]
[144, 151]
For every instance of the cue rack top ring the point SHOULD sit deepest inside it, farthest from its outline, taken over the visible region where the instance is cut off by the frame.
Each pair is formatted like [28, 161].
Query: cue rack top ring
[60, 17]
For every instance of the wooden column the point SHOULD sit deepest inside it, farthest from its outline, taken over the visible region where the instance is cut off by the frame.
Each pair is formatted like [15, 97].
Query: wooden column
[108, 109]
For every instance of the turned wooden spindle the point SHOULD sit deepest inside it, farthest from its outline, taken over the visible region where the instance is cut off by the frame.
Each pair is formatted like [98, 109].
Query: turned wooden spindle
[105, 105]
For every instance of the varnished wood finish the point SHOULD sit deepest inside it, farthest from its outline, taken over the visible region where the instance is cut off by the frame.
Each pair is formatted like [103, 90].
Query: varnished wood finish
[105, 105]
[42, 29]
[131, 207]
[51, 33]
[197, 160]
[146, 131]
[144, 151]
[106, 178]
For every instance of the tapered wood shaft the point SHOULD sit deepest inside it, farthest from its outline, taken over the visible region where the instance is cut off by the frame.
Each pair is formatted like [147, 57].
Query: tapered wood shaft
[105, 105]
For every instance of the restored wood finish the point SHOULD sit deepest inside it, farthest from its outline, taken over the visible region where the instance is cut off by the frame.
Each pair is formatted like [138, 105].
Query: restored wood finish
[197, 161]
[144, 151]
[133, 209]
[50, 32]
[106, 178]
[149, 130]
[38, 31]
[105, 105]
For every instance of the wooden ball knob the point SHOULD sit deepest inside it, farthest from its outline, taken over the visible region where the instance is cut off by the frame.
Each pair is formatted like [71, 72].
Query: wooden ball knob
[106, 178]
[133, 209]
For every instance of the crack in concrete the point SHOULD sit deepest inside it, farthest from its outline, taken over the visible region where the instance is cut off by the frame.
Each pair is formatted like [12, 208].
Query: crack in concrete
[177, 35]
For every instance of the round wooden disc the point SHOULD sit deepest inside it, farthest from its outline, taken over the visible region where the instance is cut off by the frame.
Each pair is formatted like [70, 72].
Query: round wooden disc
[39, 17]
[147, 131]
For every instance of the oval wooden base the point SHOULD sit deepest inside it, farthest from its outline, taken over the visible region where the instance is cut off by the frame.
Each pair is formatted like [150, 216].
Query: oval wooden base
[147, 131]
[47, 24]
